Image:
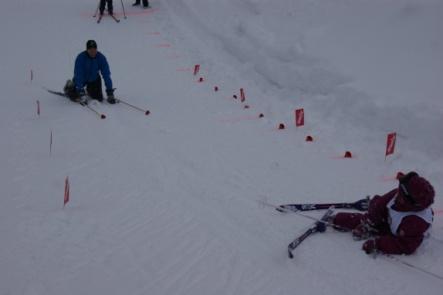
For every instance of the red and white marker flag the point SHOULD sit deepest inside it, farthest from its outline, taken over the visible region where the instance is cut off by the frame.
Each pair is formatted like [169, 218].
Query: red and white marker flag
[242, 95]
[390, 143]
[299, 117]
[66, 199]
[196, 69]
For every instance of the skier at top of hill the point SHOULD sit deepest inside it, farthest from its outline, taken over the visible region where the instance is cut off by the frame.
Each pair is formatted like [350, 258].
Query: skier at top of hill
[396, 222]
[103, 4]
[145, 3]
[89, 64]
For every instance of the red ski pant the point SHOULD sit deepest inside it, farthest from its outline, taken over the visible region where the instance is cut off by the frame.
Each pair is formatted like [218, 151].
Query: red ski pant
[347, 221]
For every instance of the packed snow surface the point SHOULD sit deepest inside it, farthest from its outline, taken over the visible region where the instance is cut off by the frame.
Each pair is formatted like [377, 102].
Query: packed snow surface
[175, 202]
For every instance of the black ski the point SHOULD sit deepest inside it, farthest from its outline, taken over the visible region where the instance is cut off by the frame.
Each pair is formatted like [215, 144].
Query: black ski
[59, 93]
[319, 226]
[85, 104]
[116, 19]
[361, 205]
[111, 15]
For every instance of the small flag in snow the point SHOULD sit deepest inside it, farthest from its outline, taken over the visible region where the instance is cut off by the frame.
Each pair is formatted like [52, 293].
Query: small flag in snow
[66, 199]
[390, 143]
[196, 69]
[242, 95]
[299, 117]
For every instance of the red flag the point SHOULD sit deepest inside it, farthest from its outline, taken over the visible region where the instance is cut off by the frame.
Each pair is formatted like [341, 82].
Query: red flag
[242, 95]
[390, 143]
[196, 69]
[299, 117]
[66, 200]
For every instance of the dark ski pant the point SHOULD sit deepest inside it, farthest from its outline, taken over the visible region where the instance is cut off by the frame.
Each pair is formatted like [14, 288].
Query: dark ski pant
[145, 3]
[93, 88]
[102, 6]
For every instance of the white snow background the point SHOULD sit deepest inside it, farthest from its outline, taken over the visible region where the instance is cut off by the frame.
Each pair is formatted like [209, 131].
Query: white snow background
[172, 203]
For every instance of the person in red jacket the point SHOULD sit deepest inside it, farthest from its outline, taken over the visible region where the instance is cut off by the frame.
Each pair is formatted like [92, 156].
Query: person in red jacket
[396, 222]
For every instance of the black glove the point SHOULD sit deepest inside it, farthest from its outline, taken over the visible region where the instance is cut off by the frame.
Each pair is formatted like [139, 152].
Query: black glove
[110, 93]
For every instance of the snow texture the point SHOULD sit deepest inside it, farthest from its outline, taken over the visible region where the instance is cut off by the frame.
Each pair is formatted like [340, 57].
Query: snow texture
[172, 203]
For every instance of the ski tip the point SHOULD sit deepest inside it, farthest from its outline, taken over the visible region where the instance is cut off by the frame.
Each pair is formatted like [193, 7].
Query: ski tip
[102, 116]
[147, 112]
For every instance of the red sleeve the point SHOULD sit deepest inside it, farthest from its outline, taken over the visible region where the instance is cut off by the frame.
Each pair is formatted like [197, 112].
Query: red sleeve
[378, 211]
[408, 239]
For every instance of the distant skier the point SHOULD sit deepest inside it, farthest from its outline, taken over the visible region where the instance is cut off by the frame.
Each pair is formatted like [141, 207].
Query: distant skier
[89, 64]
[103, 4]
[396, 222]
[145, 3]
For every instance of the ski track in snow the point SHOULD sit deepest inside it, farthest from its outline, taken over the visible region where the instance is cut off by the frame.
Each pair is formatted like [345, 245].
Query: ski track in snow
[170, 203]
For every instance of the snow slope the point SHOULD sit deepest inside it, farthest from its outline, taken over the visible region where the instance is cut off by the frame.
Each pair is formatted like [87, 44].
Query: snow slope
[172, 203]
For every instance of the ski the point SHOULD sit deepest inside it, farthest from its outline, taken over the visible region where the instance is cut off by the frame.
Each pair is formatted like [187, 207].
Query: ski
[319, 226]
[59, 93]
[113, 17]
[116, 19]
[82, 103]
[361, 205]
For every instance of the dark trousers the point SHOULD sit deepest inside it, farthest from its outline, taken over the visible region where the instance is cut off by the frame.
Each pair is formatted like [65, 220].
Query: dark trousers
[102, 6]
[94, 89]
[145, 2]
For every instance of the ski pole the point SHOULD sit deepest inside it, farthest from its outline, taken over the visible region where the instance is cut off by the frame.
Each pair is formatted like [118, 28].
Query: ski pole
[96, 11]
[102, 116]
[123, 7]
[147, 112]
[392, 257]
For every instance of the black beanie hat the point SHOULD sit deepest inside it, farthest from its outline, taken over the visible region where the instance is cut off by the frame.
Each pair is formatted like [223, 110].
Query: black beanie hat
[91, 44]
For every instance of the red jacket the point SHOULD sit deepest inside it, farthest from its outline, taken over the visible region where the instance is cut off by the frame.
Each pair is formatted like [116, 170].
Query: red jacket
[410, 232]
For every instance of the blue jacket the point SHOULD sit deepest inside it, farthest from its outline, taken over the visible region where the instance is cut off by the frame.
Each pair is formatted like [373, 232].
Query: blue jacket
[87, 70]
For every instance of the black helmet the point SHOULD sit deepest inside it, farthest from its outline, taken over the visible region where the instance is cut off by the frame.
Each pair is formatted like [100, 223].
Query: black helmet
[91, 44]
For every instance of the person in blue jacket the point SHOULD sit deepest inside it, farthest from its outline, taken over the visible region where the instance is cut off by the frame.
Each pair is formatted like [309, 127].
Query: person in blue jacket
[90, 66]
